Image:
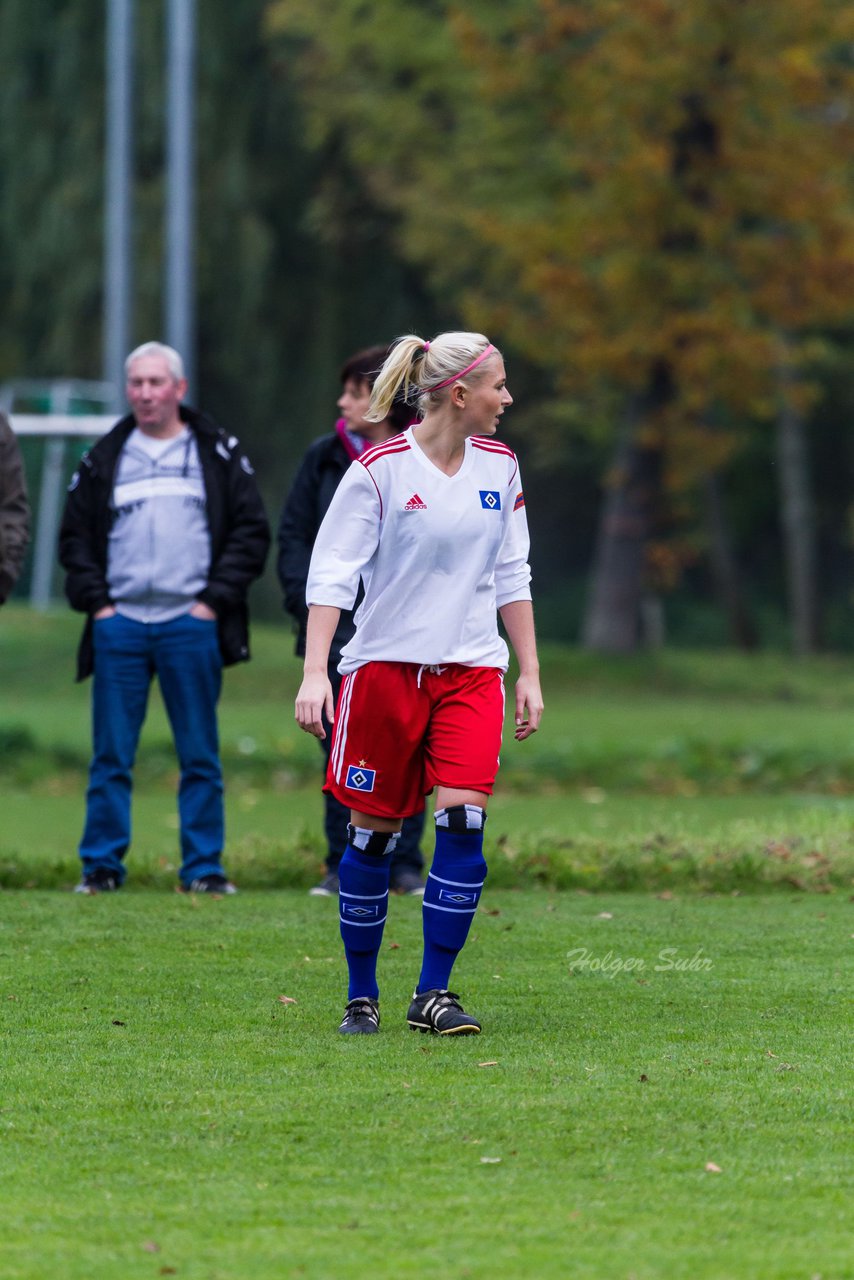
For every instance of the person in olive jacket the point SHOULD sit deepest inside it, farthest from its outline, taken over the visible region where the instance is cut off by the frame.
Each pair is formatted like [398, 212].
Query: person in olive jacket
[163, 532]
[14, 510]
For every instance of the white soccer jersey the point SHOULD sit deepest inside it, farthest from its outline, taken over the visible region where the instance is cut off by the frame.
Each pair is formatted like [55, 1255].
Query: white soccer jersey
[438, 554]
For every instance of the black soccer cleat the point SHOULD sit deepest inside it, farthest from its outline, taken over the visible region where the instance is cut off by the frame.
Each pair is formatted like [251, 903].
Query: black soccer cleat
[361, 1018]
[441, 1013]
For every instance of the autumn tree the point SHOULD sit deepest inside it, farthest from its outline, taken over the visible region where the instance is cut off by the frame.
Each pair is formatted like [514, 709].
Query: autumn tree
[650, 200]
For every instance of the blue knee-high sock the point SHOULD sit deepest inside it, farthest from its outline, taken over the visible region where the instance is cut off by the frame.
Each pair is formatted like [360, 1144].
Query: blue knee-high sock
[363, 877]
[453, 891]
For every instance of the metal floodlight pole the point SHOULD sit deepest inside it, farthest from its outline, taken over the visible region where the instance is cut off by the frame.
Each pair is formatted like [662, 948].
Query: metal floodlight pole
[180, 184]
[117, 196]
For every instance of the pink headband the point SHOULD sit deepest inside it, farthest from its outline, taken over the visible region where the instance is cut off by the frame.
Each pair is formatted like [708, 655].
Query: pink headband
[447, 382]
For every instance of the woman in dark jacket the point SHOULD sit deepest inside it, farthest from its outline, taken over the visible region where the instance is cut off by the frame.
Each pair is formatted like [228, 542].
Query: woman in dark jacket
[320, 473]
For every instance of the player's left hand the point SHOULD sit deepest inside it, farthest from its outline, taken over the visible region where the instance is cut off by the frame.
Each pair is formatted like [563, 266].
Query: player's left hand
[528, 698]
[315, 698]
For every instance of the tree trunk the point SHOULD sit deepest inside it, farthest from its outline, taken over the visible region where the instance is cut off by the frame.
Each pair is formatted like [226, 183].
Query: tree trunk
[798, 518]
[725, 572]
[612, 621]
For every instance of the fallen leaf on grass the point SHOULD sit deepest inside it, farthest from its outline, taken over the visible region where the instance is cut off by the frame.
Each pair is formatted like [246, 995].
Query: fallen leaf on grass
[394, 946]
[167, 1271]
[769, 1054]
[605, 915]
[407, 1085]
[644, 1079]
[286, 1000]
[665, 895]
[117, 1023]
[713, 1168]
[786, 1066]
[490, 1159]
[493, 912]
[493, 1063]
[776, 849]
[151, 1246]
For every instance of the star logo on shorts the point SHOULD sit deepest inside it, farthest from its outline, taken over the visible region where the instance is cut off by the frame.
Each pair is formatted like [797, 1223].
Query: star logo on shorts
[359, 778]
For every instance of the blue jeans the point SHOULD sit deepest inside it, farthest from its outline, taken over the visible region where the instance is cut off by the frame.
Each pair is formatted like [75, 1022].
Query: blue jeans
[185, 656]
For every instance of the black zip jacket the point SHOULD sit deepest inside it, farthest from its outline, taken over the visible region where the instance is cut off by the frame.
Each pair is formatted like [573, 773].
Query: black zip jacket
[320, 473]
[239, 532]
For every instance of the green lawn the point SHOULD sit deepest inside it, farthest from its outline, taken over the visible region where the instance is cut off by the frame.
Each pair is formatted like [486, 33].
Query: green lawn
[662, 964]
[714, 769]
[163, 1112]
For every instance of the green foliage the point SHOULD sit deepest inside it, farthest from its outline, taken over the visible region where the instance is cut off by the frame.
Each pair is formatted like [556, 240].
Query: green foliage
[651, 202]
[365, 170]
[609, 180]
[279, 303]
[50, 222]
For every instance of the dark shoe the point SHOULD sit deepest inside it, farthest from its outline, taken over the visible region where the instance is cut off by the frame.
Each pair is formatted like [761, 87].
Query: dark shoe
[328, 887]
[407, 880]
[442, 1013]
[361, 1018]
[98, 881]
[211, 884]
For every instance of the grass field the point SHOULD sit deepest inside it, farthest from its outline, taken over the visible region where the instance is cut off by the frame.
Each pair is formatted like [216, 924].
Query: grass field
[662, 963]
[162, 1109]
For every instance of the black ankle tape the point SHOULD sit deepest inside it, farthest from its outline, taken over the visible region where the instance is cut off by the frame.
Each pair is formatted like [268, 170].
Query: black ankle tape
[377, 844]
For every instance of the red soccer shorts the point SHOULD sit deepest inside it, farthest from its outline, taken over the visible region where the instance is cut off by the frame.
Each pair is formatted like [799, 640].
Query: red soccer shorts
[402, 729]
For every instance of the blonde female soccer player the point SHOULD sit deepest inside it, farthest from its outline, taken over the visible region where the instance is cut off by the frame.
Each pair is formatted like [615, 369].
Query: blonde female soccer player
[433, 522]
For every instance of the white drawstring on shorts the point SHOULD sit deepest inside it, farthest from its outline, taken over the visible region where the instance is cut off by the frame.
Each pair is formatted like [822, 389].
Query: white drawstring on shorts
[426, 666]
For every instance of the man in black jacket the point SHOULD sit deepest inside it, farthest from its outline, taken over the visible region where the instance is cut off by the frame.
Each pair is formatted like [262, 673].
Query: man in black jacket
[14, 510]
[319, 475]
[164, 529]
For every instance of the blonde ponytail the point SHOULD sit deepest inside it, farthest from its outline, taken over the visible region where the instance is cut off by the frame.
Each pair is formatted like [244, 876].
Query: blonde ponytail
[414, 367]
[399, 372]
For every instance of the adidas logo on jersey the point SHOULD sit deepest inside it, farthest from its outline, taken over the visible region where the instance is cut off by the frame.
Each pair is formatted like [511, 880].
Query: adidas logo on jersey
[415, 504]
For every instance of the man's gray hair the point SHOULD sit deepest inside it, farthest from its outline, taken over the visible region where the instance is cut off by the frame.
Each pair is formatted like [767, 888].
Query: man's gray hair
[173, 361]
